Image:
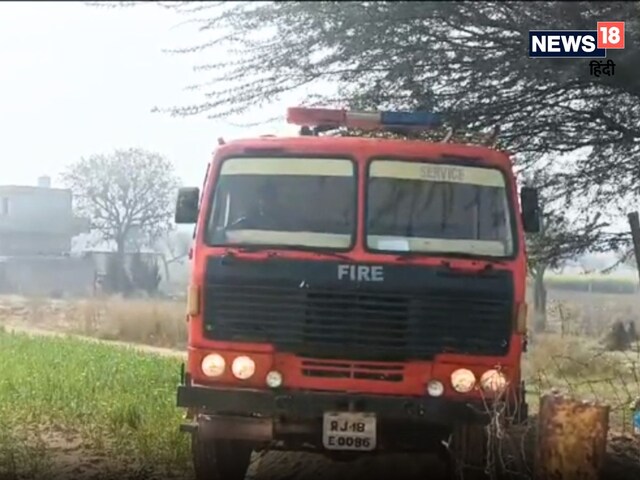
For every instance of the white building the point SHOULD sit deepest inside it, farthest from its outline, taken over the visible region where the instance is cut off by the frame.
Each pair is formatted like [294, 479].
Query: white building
[37, 220]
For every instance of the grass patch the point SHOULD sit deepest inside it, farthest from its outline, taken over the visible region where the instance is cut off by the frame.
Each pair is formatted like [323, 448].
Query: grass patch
[118, 401]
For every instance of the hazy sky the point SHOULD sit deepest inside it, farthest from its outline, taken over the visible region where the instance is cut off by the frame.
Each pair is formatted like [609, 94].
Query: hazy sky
[77, 80]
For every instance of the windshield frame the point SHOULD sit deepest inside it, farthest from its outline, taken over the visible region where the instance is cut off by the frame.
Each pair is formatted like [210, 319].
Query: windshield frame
[302, 156]
[476, 162]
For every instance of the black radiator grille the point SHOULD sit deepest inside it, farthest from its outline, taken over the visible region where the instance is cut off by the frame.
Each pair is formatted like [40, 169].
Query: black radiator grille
[336, 369]
[337, 323]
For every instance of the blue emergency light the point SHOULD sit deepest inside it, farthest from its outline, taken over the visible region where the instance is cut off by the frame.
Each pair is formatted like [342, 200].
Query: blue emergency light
[424, 119]
[323, 117]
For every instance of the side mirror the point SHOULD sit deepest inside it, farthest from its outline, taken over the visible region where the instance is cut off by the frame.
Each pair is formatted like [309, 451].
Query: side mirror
[187, 205]
[530, 204]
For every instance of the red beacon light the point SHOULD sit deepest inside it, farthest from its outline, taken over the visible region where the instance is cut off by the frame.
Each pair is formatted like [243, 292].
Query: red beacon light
[334, 118]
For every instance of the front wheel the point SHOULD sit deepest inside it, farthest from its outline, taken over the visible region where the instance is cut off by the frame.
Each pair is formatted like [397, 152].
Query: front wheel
[220, 459]
[468, 450]
[481, 453]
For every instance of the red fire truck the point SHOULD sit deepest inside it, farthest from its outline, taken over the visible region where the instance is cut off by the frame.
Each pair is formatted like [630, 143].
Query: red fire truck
[351, 295]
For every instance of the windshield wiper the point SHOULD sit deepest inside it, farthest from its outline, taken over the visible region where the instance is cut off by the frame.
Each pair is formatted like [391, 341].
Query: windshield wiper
[297, 248]
[300, 248]
[450, 256]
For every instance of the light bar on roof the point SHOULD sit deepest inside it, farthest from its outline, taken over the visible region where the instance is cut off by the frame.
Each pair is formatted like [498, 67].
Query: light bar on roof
[410, 118]
[314, 117]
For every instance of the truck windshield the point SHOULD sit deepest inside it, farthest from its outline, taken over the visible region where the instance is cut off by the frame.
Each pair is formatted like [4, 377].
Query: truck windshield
[437, 208]
[302, 202]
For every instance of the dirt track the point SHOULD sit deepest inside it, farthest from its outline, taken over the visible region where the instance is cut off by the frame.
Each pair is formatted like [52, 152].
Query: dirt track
[289, 466]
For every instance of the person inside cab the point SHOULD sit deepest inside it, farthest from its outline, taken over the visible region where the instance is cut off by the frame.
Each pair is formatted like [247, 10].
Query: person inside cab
[263, 214]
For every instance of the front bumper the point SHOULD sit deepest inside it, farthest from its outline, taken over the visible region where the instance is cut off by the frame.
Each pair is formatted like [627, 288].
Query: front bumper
[294, 418]
[311, 405]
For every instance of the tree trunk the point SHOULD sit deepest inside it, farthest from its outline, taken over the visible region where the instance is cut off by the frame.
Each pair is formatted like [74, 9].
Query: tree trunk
[539, 301]
[165, 264]
[122, 280]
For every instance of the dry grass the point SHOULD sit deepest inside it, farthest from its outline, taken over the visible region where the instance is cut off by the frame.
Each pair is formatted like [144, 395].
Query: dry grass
[154, 322]
[580, 367]
[147, 321]
[570, 356]
[590, 314]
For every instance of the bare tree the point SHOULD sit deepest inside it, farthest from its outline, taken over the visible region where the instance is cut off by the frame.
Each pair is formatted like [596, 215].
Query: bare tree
[126, 193]
[466, 60]
[174, 248]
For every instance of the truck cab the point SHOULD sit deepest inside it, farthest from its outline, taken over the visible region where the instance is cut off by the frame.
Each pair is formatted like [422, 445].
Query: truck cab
[351, 295]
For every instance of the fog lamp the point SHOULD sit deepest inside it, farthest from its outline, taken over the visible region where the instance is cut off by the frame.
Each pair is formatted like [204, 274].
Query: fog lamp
[274, 379]
[435, 388]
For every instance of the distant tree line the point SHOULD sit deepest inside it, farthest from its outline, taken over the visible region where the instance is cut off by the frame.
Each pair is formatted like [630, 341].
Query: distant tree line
[586, 284]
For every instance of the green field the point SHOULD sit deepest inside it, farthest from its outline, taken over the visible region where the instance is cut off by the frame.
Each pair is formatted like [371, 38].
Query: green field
[119, 404]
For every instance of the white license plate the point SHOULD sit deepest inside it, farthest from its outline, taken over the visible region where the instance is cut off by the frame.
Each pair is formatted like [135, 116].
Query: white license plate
[349, 431]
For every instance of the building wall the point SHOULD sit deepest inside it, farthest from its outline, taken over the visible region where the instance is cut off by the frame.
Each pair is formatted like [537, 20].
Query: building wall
[36, 220]
[35, 209]
[34, 243]
[46, 276]
[101, 260]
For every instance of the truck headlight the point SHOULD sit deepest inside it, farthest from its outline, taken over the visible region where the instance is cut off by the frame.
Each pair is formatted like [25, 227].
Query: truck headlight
[463, 380]
[493, 381]
[213, 365]
[243, 368]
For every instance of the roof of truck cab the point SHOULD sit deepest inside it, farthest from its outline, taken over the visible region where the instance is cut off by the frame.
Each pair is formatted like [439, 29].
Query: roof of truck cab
[361, 146]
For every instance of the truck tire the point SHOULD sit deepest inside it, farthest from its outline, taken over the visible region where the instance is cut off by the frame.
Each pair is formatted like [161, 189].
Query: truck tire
[468, 450]
[474, 457]
[220, 459]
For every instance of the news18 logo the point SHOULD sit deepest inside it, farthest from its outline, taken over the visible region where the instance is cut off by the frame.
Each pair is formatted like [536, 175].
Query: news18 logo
[577, 43]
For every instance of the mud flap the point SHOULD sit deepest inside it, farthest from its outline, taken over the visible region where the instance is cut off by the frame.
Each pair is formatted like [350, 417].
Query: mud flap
[572, 439]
